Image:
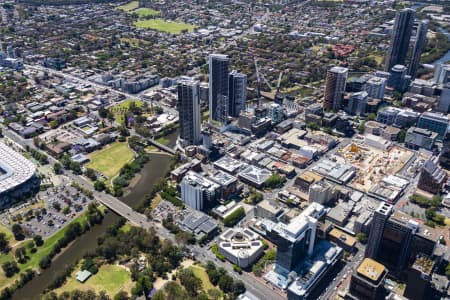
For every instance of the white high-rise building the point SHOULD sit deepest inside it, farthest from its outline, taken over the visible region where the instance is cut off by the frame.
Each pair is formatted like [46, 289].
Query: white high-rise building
[197, 191]
[375, 87]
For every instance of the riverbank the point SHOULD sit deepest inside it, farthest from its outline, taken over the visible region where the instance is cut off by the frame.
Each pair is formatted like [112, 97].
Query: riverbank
[152, 171]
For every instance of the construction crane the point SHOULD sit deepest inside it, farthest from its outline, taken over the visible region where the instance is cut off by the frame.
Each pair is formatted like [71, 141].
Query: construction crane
[266, 82]
[258, 82]
[279, 82]
[278, 96]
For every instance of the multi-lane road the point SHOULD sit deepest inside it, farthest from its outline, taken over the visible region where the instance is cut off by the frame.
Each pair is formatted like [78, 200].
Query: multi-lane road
[96, 85]
[254, 285]
[109, 201]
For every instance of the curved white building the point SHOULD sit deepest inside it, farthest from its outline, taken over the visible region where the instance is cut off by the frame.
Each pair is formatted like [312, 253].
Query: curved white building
[240, 246]
[15, 173]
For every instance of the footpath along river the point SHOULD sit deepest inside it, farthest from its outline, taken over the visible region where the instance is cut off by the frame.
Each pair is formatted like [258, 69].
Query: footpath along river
[151, 172]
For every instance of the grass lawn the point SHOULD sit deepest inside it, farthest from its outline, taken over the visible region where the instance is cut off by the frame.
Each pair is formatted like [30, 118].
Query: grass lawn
[378, 58]
[129, 6]
[299, 90]
[146, 12]
[165, 26]
[163, 140]
[110, 278]
[111, 159]
[7, 232]
[119, 109]
[200, 272]
[151, 148]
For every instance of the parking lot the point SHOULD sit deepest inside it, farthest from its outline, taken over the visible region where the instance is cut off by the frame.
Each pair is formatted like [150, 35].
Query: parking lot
[49, 210]
[165, 208]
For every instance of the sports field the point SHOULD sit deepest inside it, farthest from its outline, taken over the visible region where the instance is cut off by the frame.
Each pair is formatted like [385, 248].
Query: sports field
[110, 159]
[110, 278]
[165, 26]
[129, 6]
[146, 12]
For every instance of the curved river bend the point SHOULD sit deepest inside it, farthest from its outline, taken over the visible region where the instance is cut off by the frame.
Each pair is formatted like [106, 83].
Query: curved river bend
[149, 175]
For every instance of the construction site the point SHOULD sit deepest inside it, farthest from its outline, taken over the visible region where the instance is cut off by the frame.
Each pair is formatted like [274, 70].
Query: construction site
[373, 164]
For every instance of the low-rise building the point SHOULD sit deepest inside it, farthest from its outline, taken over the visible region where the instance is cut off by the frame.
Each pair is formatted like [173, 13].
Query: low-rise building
[416, 138]
[199, 224]
[254, 176]
[342, 239]
[336, 172]
[268, 210]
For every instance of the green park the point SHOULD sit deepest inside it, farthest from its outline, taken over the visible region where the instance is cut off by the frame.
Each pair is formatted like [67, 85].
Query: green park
[110, 159]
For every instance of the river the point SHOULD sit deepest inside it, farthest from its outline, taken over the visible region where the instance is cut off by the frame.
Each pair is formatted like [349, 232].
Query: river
[446, 57]
[88, 242]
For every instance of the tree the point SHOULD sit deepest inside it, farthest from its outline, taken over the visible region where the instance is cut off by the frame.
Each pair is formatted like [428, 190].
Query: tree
[56, 205]
[184, 237]
[45, 262]
[21, 254]
[274, 181]
[17, 230]
[94, 215]
[237, 269]
[103, 112]
[191, 283]
[174, 291]
[122, 295]
[99, 185]
[361, 237]
[401, 136]
[53, 123]
[226, 283]
[123, 131]
[90, 173]
[38, 240]
[362, 127]
[57, 168]
[313, 126]
[4, 245]
[214, 294]
[436, 200]
[238, 288]
[371, 117]
[75, 167]
[234, 217]
[10, 268]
